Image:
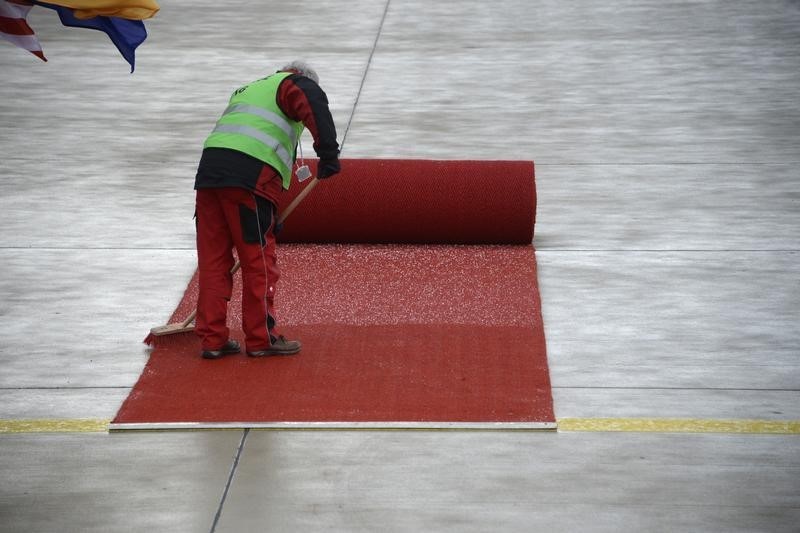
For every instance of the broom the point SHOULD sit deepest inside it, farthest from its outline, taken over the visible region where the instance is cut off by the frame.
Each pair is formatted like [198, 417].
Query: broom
[188, 323]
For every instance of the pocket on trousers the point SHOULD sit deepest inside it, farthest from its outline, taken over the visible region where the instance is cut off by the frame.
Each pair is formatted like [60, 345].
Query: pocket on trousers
[255, 225]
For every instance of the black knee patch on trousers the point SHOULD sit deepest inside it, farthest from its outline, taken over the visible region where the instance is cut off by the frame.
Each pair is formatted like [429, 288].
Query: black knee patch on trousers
[256, 225]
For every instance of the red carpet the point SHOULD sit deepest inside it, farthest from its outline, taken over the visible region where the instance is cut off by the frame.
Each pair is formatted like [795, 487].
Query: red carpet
[396, 333]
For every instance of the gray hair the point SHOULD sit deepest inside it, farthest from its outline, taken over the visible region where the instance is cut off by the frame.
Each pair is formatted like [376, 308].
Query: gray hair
[301, 67]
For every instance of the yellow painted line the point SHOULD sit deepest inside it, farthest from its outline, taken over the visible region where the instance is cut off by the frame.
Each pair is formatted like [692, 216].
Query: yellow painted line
[680, 425]
[54, 426]
[630, 425]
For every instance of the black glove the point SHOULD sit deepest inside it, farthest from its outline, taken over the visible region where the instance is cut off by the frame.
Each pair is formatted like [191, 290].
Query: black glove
[328, 167]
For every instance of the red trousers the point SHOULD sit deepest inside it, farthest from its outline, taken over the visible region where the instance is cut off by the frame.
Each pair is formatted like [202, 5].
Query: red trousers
[228, 218]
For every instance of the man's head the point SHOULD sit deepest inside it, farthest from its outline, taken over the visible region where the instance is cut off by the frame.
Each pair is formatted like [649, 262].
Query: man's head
[302, 68]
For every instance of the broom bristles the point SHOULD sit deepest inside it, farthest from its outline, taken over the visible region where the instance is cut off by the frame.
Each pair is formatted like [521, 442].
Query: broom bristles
[168, 329]
[159, 341]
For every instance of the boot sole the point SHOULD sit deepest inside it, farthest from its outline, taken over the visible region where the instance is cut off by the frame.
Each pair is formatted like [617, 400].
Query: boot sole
[218, 355]
[269, 353]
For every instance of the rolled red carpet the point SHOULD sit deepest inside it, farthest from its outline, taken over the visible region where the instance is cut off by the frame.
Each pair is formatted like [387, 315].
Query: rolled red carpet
[412, 286]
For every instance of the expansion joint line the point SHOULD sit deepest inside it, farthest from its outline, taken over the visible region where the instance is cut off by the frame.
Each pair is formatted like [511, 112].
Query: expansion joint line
[366, 71]
[234, 466]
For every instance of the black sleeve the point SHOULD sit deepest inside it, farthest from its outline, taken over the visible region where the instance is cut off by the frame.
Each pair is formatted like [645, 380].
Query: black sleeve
[303, 100]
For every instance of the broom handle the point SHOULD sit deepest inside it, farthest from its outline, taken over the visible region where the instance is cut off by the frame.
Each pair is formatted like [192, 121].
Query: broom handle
[185, 323]
[294, 203]
[286, 212]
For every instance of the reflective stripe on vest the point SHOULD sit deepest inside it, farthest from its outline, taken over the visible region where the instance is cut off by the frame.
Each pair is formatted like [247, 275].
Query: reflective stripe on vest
[257, 134]
[266, 114]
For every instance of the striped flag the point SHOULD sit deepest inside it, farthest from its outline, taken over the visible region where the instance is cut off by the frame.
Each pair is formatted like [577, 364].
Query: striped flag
[14, 28]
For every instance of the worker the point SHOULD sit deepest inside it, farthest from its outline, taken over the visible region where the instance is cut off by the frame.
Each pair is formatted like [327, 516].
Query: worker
[247, 162]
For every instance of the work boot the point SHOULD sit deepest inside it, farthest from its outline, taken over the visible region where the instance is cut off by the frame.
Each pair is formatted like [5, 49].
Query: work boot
[280, 346]
[230, 347]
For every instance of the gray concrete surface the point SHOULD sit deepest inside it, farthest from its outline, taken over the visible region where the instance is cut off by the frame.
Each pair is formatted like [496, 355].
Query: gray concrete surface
[666, 137]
